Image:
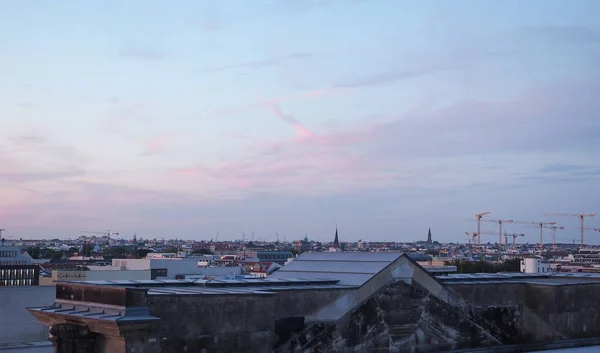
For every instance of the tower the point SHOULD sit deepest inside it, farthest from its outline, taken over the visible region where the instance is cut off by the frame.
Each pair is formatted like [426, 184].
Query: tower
[429, 237]
[336, 240]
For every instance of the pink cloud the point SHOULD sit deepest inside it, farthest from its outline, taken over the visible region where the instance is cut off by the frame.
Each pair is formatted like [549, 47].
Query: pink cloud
[155, 145]
[407, 150]
[159, 144]
[301, 163]
[300, 129]
[307, 95]
[185, 172]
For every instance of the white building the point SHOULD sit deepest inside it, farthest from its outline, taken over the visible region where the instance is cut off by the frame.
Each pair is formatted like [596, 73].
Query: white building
[534, 265]
[170, 268]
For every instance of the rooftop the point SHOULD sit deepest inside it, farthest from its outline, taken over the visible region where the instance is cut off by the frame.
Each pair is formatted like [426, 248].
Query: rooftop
[259, 286]
[556, 278]
[349, 268]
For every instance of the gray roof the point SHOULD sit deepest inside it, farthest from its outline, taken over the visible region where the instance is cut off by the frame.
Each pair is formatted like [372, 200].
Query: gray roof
[556, 278]
[350, 268]
[257, 286]
[99, 313]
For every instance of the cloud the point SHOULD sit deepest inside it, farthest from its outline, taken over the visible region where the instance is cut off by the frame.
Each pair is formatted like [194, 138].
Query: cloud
[122, 113]
[137, 52]
[210, 26]
[562, 168]
[155, 145]
[33, 157]
[564, 35]
[160, 144]
[25, 105]
[36, 144]
[397, 75]
[425, 149]
[29, 176]
[264, 62]
[300, 129]
[301, 96]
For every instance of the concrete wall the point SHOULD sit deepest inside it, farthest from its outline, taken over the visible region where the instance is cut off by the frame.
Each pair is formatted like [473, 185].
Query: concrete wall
[231, 323]
[16, 324]
[400, 318]
[35, 347]
[549, 312]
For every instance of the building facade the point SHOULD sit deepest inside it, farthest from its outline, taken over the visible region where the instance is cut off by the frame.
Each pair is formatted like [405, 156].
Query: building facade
[534, 265]
[16, 268]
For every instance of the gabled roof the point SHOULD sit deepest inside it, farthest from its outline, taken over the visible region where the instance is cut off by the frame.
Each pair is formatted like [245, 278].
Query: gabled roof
[350, 268]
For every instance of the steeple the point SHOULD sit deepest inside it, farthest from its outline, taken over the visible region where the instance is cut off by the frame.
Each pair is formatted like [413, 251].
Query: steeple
[336, 240]
[429, 241]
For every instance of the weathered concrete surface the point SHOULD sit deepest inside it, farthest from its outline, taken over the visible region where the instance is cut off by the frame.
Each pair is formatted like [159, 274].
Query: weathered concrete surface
[27, 347]
[401, 318]
[549, 312]
[231, 323]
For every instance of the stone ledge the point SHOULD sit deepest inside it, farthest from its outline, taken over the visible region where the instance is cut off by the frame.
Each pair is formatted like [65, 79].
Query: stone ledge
[536, 347]
[24, 345]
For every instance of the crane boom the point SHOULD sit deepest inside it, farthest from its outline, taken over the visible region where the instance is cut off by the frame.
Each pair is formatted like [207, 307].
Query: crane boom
[514, 241]
[541, 226]
[499, 222]
[581, 217]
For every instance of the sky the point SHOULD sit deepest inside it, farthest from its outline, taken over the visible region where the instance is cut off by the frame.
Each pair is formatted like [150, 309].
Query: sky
[250, 118]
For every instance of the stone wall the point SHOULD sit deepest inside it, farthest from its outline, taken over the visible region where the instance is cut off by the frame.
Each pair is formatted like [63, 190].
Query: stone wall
[549, 312]
[231, 323]
[401, 318]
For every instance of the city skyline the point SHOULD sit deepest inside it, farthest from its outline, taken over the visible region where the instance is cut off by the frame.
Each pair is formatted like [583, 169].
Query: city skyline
[383, 117]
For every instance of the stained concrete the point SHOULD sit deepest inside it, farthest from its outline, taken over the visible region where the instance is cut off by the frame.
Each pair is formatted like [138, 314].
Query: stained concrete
[231, 323]
[401, 317]
[549, 312]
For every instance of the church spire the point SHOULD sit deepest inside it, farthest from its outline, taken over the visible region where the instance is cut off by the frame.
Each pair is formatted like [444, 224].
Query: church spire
[336, 240]
[429, 241]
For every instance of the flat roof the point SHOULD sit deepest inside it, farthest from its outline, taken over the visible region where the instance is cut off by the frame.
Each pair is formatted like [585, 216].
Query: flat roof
[258, 286]
[555, 278]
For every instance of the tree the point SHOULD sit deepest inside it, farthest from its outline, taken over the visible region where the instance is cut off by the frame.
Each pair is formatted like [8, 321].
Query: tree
[484, 266]
[202, 251]
[141, 253]
[86, 249]
[115, 252]
[171, 249]
[52, 254]
[34, 252]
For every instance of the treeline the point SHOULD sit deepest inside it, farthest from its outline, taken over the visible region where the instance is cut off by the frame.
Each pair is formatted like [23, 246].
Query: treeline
[115, 252]
[462, 266]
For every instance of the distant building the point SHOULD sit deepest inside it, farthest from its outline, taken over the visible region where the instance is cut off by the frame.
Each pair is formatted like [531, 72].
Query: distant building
[278, 257]
[16, 268]
[587, 257]
[302, 245]
[429, 241]
[170, 268]
[534, 265]
[362, 244]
